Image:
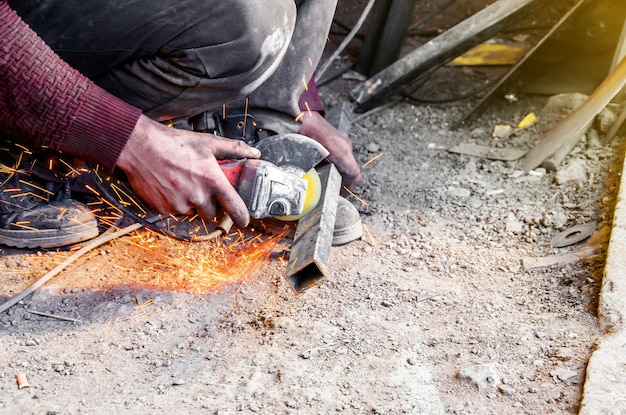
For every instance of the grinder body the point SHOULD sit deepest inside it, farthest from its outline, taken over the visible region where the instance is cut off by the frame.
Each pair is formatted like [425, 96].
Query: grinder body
[266, 190]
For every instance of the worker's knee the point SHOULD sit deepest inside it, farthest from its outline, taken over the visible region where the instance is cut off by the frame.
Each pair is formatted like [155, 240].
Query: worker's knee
[268, 34]
[239, 38]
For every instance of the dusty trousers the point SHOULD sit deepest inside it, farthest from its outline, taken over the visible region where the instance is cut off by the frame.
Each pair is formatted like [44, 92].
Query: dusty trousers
[178, 58]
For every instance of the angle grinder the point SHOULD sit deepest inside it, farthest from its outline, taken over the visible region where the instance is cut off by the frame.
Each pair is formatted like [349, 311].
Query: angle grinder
[283, 184]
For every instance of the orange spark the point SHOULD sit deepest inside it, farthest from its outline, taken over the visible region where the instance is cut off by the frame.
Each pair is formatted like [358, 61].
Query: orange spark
[119, 192]
[72, 171]
[36, 187]
[29, 194]
[23, 225]
[63, 211]
[371, 160]
[145, 303]
[363, 202]
[91, 189]
[370, 237]
[24, 149]
[245, 116]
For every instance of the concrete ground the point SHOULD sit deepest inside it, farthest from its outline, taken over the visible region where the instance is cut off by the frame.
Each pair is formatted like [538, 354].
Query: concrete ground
[605, 385]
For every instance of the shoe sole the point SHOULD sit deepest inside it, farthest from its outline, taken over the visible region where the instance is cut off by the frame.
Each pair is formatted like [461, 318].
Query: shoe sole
[49, 238]
[348, 234]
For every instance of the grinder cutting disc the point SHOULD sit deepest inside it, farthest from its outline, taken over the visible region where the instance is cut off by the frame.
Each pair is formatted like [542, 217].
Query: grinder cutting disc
[298, 154]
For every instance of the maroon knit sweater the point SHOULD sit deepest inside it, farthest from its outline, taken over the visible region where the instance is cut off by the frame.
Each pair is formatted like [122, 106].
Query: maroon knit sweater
[46, 103]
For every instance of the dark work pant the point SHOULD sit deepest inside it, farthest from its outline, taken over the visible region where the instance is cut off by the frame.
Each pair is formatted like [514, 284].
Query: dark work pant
[177, 58]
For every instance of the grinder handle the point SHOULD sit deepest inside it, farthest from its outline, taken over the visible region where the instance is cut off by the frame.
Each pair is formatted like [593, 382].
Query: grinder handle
[233, 170]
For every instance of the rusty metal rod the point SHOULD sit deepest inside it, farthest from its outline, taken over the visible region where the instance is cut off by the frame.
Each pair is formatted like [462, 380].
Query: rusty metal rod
[310, 252]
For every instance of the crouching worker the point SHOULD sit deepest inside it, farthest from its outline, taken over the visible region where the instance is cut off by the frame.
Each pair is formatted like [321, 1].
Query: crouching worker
[98, 81]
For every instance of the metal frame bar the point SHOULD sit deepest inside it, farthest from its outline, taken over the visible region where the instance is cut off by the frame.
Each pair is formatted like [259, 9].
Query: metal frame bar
[440, 50]
[310, 251]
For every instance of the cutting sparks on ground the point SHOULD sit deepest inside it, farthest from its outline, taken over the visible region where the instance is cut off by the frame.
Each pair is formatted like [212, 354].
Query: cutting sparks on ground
[157, 261]
[202, 267]
[165, 263]
[148, 260]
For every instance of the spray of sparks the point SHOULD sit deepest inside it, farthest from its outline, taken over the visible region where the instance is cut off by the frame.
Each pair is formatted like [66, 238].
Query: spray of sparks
[202, 267]
[161, 262]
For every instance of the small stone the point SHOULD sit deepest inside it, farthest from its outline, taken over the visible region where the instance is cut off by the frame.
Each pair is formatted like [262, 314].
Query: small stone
[511, 97]
[178, 382]
[559, 219]
[458, 193]
[475, 202]
[478, 133]
[563, 374]
[563, 354]
[512, 224]
[515, 268]
[538, 172]
[605, 120]
[494, 192]
[284, 323]
[514, 227]
[484, 376]
[575, 172]
[506, 390]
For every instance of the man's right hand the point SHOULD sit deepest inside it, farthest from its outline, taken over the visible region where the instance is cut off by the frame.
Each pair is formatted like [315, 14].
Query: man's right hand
[176, 171]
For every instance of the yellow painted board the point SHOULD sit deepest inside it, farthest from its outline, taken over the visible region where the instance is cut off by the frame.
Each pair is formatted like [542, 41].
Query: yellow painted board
[490, 54]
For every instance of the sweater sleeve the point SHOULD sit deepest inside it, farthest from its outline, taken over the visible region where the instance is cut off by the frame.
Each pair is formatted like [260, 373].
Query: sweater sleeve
[310, 99]
[46, 103]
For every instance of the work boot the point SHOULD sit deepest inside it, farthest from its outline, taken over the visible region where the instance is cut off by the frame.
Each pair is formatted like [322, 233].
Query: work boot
[37, 213]
[348, 226]
[47, 225]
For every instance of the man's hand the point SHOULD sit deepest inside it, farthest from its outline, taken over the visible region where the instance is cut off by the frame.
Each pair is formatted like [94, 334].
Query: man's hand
[337, 143]
[176, 171]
